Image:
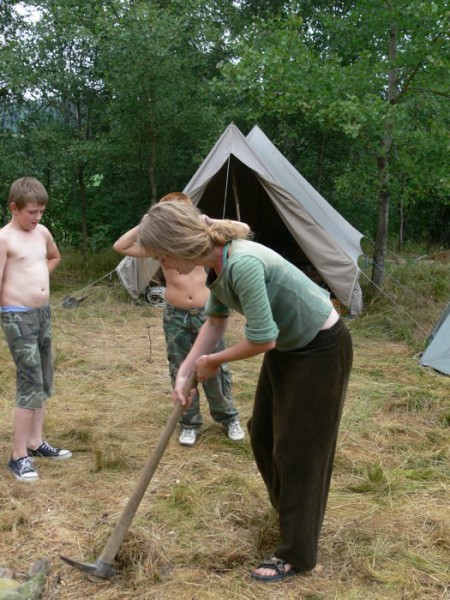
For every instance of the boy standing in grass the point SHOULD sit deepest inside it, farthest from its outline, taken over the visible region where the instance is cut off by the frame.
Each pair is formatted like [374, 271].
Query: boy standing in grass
[184, 314]
[28, 254]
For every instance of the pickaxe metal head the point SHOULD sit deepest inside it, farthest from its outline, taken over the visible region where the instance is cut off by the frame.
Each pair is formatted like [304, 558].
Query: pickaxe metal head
[98, 569]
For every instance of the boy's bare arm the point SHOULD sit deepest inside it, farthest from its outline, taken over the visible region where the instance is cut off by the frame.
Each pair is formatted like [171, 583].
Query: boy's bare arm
[127, 244]
[3, 258]
[53, 255]
[244, 228]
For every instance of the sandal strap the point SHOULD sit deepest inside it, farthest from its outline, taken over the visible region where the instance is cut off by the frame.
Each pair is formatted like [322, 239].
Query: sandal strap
[277, 565]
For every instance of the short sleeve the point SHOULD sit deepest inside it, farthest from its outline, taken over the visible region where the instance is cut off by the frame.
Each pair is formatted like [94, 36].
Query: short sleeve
[248, 280]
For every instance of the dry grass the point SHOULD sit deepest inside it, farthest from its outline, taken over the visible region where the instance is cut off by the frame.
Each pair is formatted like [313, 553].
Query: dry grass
[205, 519]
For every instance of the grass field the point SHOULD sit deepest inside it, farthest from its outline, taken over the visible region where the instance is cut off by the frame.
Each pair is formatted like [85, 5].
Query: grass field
[205, 520]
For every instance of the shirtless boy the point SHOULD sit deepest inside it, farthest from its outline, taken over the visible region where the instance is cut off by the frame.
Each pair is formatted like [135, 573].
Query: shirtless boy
[184, 314]
[28, 255]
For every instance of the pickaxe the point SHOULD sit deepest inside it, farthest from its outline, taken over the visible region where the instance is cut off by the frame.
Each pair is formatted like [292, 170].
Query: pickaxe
[103, 566]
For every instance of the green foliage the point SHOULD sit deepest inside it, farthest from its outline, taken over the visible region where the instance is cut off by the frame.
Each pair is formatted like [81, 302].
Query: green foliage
[97, 265]
[319, 74]
[112, 104]
[117, 103]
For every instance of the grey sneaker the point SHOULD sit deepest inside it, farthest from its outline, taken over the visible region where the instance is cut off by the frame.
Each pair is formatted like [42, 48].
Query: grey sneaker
[188, 436]
[22, 469]
[235, 431]
[47, 451]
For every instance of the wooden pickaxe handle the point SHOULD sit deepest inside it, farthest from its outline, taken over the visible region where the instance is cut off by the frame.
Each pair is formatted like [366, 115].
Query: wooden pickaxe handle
[113, 544]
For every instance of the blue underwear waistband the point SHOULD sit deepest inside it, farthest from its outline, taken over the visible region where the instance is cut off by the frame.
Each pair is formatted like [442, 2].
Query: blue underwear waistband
[15, 308]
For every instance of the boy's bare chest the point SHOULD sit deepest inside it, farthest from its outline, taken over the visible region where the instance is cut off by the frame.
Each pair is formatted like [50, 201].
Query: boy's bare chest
[27, 247]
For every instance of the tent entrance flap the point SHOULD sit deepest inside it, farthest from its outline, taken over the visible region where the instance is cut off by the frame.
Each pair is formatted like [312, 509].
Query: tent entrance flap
[246, 200]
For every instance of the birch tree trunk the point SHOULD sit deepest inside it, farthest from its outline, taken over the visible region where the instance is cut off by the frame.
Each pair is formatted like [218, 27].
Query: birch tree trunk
[383, 168]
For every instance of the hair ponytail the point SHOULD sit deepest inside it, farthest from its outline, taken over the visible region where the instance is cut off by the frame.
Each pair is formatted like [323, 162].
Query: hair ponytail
[177, 229]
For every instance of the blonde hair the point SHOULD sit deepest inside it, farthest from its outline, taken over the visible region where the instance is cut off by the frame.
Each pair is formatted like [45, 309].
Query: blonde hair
[27, 190]
[176, 229]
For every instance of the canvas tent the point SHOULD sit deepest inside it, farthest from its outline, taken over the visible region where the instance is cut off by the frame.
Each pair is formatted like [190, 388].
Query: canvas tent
[437, 352]
[248, 179]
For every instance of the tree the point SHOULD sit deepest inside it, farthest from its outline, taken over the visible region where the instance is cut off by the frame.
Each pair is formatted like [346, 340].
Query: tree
[345, 73]
[11, 99]
[117, 89]
[113, 103]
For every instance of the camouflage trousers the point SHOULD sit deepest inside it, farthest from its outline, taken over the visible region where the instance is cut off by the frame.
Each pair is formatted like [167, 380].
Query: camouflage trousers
[28, 335]
[181, 328]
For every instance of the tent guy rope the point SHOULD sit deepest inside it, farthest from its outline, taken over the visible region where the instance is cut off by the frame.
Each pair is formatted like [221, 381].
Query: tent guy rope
[86, 288]
[394, 303]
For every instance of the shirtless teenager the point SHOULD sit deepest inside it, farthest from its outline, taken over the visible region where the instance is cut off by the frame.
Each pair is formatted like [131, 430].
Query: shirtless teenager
[28, 255]
[184, 314]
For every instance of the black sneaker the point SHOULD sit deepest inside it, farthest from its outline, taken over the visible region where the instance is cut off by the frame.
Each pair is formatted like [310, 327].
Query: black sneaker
[22, 469]
[47, 451]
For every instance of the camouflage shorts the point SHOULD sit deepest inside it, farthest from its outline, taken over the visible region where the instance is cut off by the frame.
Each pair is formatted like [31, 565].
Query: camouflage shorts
[28, 335]
[181, 328]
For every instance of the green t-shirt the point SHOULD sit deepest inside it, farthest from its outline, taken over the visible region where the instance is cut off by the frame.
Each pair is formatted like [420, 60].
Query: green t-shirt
[278, 301]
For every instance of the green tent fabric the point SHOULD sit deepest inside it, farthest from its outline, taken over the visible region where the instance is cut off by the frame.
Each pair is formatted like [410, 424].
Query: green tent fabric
[437, 353]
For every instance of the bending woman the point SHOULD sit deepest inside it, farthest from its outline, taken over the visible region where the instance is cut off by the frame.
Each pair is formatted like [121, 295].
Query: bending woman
[304, 374]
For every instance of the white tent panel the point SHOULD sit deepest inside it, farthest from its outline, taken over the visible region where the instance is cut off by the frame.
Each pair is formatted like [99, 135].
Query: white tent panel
[437, 353]
[346, 236]
[249, 178]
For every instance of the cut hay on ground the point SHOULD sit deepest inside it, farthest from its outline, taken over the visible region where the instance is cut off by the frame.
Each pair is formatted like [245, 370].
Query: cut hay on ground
[205, 519]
